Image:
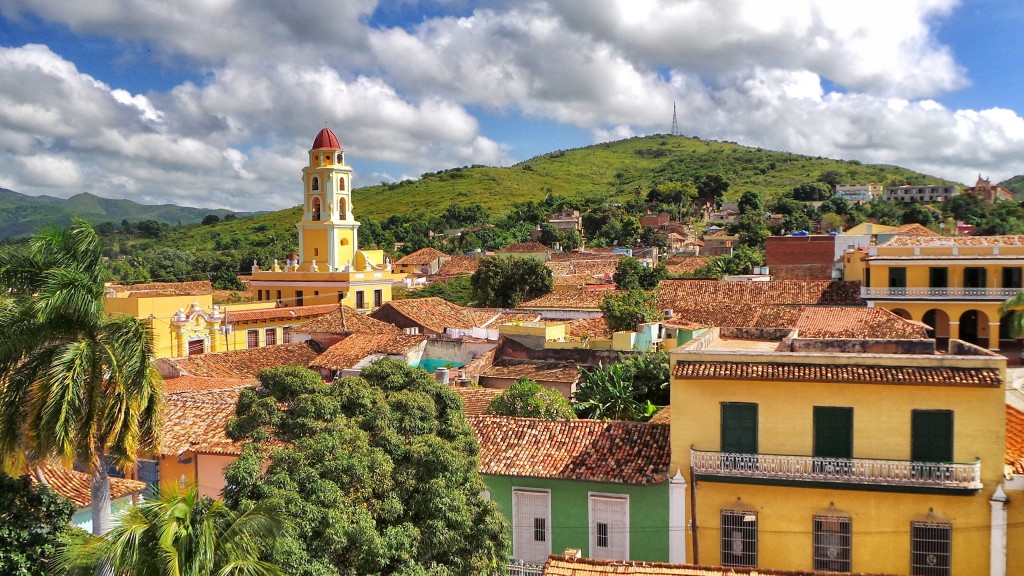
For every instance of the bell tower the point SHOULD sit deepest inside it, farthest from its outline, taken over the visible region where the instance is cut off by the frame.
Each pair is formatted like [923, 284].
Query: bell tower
[327, 231]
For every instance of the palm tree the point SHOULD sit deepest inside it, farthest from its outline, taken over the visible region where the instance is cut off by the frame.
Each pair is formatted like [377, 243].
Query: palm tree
[180, 534]
[1012, 310]
[75, 385]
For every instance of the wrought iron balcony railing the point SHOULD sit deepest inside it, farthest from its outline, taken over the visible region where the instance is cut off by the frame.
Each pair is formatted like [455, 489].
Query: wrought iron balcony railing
[523, 568]
[869, 472]
[940, 293]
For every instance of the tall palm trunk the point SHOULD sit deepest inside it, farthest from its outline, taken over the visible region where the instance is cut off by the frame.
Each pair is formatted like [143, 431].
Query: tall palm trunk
[100, 491]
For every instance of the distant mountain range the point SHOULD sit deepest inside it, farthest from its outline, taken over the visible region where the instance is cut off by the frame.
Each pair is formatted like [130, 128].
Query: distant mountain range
[22, 215]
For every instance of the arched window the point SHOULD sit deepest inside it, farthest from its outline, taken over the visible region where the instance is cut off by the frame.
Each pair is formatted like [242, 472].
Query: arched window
[316, 209]
[341, 159]
[341, 209]
[341, 184]
[316, 183]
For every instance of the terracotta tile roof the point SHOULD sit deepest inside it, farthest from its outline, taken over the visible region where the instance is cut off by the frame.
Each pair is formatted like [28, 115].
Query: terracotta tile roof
[525, 248]
[510, 316]
[421, 257]
[915, 229]
[246, 364]
[196, 288]
[683, 294]
[558, 565]
[474, 399]
[356, 347]
[459, 265]
[286, 313]
[579, 280]
[76, 486]
[536, 370]
[685, 264]
[839, 374]
[196, 421]
[433, 313]
[602, 267]
[344, 320]
[569, 300]
[1015, 439]
[592, 327]
[200, 383]
[588, 255]
[662, 416]
[850, 322]
[955, 241]
[587, 450]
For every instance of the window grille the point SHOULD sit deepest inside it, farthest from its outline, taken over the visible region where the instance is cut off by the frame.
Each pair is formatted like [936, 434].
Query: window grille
[252, 338]
[739, 538]
[196, 347]
[360, 300]
[270, 336]
[930, 546]
[832, 539]
[286, 334]
[602, 534]
[540, 529]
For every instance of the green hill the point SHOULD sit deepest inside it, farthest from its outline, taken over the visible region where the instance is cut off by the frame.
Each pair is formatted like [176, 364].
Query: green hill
[21, 215]
[1015, 185]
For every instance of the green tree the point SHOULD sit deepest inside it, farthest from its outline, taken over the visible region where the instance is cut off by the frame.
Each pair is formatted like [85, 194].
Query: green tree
[649, 374]
[504, 282]
[77, 385]
[632, 274]
[210, 219]
[831, 177]
[711, 188]
[1013, 311]
[226, 279]
[917, 214]
[750, 202]
[812, 191]
[33, 524]
[741, 261]
[379, 473]
[457, 290]
[623, 312]
[528, 399]
[751, 229]
[604, 393]
[183, 534]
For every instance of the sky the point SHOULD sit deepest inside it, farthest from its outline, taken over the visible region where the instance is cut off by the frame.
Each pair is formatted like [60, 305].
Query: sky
[214, 103]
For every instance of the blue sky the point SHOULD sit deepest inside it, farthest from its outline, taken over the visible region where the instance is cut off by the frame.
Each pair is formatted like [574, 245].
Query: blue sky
[214, 104]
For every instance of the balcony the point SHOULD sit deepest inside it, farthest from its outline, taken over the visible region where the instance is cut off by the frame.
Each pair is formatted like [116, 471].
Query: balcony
[848, 473]
[939, 293]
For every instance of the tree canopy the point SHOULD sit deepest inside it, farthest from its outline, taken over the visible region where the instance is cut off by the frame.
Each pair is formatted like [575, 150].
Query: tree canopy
[528, 399]
[632, 274]
[379, 473]
[33, 524]
[504, 282]
[623, 312]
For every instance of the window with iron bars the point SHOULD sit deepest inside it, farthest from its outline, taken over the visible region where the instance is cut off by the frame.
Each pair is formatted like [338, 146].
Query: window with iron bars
[832, 539]
[930, 548]
[739, 538]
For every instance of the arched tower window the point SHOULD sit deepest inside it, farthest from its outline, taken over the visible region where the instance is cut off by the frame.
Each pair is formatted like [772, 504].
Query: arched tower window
[316, 209]
[341, 159]
[316, 183]
[341, 209]
[341, 184]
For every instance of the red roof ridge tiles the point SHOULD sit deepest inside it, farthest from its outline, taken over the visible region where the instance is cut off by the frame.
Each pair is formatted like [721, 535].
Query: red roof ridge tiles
[838, 373]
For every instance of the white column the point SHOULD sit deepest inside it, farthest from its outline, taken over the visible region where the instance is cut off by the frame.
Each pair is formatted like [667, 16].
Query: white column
[997, 544]
[332, 249]
[677, 519]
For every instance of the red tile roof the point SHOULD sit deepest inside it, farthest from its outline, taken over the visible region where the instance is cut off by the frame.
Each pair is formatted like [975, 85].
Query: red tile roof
[915, 229]
[683, 294]
[76, 486]
[356, 347]
[850, 322]
[344, 320]
[589, 327]
[459, 265]
[196, 288]
[955, 241]
[569, 300]
[326, 140]
[286, 313]
[1015, 439]
[433, 313]
[196, 421]
[839, 374]
[558, 565]
[420, 257]
[475, 399]
[536, 370]
[246, 364]
[589, 255]
[587, 450]
[200, 383]
[685, 264]
[525, 248]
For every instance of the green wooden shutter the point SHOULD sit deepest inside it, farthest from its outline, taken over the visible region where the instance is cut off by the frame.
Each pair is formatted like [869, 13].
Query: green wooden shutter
[739, 427]
[931, 436]
[833, 432]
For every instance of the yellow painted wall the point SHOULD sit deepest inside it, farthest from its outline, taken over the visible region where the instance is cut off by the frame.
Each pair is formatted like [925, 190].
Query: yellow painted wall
[166, 337]
[881, 520]
[314, 245]
[1015, 528]
[172, 468]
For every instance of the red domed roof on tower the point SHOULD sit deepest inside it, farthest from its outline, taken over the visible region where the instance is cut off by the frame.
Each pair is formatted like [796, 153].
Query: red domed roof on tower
[326, 140]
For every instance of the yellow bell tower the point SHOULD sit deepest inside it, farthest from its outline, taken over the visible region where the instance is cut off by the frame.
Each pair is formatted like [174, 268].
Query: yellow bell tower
[328, 238]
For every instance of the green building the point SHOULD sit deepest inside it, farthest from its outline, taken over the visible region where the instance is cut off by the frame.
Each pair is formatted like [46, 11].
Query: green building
[597, 486]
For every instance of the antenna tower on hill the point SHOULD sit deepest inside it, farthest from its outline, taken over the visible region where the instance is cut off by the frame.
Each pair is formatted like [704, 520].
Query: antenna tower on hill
[675, 121]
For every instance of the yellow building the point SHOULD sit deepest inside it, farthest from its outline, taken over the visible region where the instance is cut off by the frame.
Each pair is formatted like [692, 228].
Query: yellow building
[954, 285]
[876, 456]
[186, 322]
[329, 267]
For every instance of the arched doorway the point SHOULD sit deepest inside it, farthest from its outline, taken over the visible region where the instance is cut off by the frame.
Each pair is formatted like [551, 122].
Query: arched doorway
[938, 320]
[974, 328]
[902, 313]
